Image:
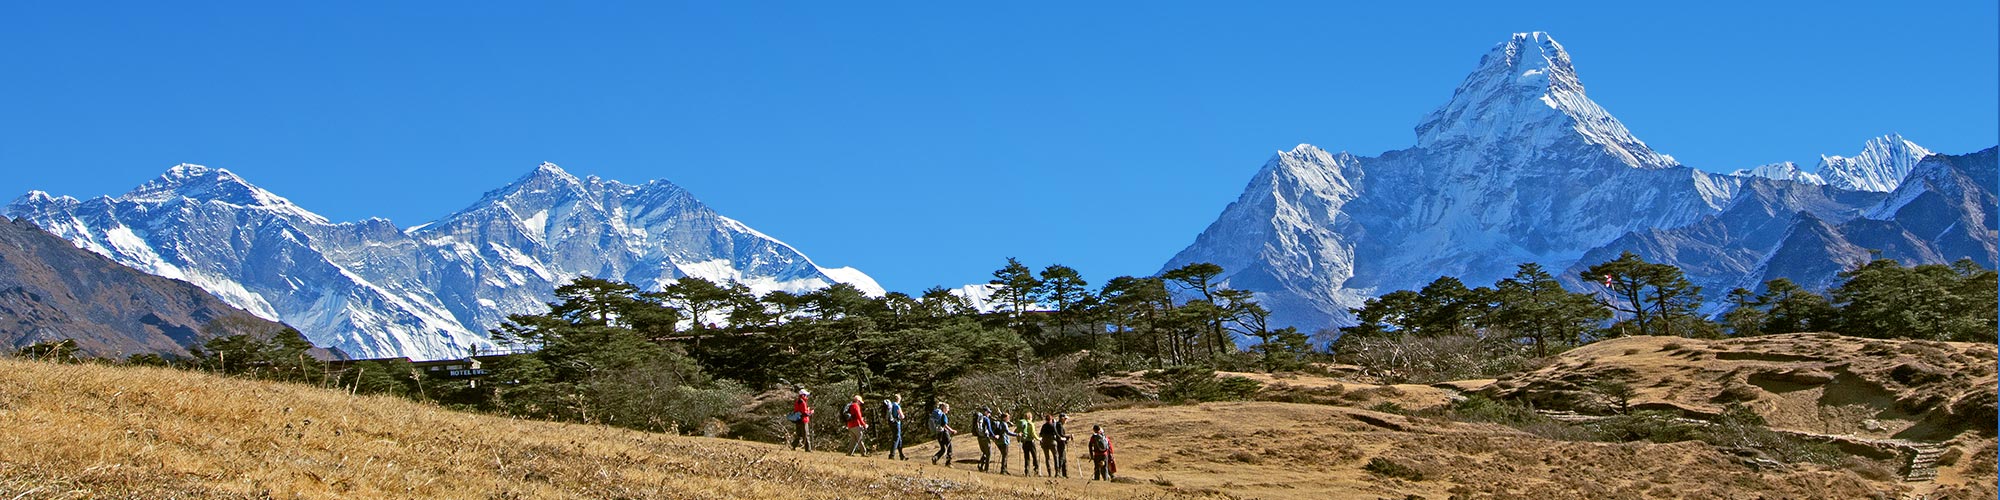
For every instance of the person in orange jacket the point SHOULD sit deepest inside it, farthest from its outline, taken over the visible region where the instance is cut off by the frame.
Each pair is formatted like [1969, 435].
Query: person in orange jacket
[856, 425]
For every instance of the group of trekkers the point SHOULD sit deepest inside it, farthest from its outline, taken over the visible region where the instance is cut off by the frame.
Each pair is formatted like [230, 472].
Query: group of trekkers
[995, 430]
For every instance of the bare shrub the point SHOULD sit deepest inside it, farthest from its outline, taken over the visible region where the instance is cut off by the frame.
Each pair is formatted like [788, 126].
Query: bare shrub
[1417, 359]
[1049, 387]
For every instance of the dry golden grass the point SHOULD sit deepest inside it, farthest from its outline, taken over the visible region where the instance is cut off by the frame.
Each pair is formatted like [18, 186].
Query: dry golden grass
[1299, 388]
[80, 431]
[1284, 450]
[69, 431]
[1808, 382]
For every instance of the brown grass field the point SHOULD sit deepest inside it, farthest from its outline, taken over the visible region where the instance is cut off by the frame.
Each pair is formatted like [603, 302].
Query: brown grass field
[87, 431]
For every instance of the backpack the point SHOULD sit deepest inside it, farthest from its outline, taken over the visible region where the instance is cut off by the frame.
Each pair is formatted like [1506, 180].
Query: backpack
[937, 421]
[847, 413]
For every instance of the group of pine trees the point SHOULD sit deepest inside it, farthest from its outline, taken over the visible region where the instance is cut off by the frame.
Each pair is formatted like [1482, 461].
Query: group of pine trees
[1880, 299]
[673, 359]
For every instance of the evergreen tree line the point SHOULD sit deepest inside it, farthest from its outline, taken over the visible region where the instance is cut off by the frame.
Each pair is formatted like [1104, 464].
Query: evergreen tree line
[1880, 299]
[609, 352]
[705, 357]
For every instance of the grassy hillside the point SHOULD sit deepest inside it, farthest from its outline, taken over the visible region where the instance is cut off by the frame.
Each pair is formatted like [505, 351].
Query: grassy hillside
[96, 431]
[73, 431]
[1283, 450]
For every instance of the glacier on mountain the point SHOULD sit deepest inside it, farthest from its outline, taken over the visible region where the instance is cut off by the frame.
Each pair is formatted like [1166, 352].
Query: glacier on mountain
[1520, 165]
[431, 291]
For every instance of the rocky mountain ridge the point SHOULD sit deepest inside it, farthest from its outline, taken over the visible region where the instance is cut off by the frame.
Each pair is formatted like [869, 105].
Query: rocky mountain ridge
[372, 289]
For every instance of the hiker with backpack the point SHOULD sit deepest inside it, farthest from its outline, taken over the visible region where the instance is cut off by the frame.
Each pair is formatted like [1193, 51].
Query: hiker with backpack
[1003, 429]
[1048, 434]
[982, 429]
[801, 418]
[856, 425]
[893, 412]
[1027, 428]
[1102, 467]
[941, 427]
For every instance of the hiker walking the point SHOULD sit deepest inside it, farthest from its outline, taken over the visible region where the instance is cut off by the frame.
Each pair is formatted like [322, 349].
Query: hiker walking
[1062, 445]
[1102, 468]
[941, 426]
[982, 429]
[1003, 429]
[856, 426]
[892, 410]
[1049, 445]
[801, 417]
[1027, 426]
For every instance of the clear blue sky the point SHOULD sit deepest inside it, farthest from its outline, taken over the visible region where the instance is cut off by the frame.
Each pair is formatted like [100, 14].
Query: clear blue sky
[922, 142]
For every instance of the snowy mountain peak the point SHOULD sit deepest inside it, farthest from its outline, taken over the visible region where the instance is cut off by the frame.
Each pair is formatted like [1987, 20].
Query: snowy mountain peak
[1784, 171]
[37, 196]
[1304, 152]
[1533, 61]
[550, 169]
[39, 202]
[206, 184]
[549, 172]
[1524, 91]
[1880, 167]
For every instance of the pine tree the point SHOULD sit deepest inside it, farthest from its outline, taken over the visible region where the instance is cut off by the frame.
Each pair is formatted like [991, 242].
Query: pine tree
[1746, 314]
[1138, 305]
[1790, 308]
[1658, 297]
[1016, 293]
[1534, 306]
[1064, 289]
[1199, 280]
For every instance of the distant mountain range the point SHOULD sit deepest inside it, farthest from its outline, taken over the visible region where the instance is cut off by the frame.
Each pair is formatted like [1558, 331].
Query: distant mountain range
[1521, 166]
[1518, 166]
[372, 289]
[50, 290]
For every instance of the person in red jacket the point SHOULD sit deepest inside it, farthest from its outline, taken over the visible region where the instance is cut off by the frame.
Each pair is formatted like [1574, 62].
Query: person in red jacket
[856, 425]
[801, 417]
[1100, 455]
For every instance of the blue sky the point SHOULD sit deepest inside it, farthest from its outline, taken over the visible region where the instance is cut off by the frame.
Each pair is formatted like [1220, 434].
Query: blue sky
[923, 142]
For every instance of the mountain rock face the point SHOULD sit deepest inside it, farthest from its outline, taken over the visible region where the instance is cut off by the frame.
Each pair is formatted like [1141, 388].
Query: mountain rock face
[1521, 166]
[371, 289]
[1942, 212]
[51, 290]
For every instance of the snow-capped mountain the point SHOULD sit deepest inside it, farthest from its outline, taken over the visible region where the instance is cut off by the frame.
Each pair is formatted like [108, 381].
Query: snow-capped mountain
[1518, 166]
[371, 289]
[1784, 171]
[1881, 166]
